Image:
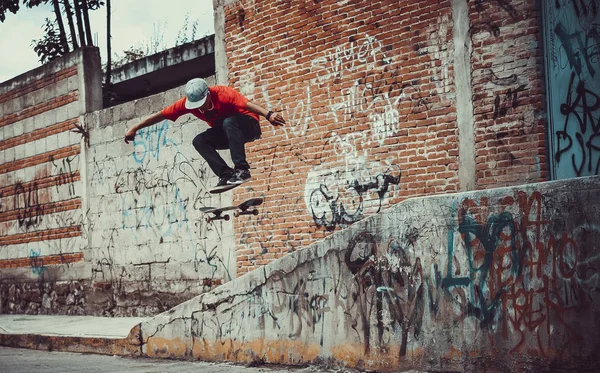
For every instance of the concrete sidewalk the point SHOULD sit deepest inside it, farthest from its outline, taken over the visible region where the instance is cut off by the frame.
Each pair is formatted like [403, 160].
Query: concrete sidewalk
[89, 334]
[69, 326]
[103, 336]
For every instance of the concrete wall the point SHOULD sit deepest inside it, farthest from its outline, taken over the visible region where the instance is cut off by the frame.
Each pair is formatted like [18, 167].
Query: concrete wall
[42, 186]
[497, 280]
[149, 245]
[385, 100]
[89, 224]
[573, 81]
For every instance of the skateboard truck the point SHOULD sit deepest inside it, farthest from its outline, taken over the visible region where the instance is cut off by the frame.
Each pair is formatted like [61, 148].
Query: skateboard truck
[244, 208]
[217, 216]
[245, 212]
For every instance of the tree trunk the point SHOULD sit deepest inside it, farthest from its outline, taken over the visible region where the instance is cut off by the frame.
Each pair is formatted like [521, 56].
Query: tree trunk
[108, 49]
[79, 22]
[86, 20]
[61, 27]
[69, 12]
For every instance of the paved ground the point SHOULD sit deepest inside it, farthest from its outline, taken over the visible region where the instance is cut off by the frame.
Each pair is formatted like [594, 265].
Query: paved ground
[74, 326]
[17, 360]
[14, 360]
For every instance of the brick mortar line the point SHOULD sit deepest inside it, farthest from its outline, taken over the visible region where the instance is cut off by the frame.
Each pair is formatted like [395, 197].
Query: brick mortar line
[39, 84]
[41, 133]
[37, 109]
[45, 235]
[42, 183]
[42, 259]
[40, 158]
[45, 209]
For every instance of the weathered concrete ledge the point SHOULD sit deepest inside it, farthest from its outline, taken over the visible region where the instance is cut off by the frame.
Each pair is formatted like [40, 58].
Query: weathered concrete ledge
[129, 346]
[497, 279]
[84, 334]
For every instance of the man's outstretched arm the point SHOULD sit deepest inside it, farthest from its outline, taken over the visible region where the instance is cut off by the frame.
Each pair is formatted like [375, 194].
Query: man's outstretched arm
[274, 118]
[153, 119]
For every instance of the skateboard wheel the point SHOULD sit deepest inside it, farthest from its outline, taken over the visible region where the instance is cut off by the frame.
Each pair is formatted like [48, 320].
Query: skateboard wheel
[236, 214]
[255, 212]
[208, 220]
[226, 217]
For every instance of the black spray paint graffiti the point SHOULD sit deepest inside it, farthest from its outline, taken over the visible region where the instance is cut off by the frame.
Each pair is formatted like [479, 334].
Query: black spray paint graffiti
[152, 197]
[385, 282]
[503, 271]
[212, 258]
[578, 47]
[301, 306]
[384, 294]
[27, 205]
[510, 100]
[64, 171]
[489, 237]
[581, 7]
[491, 23]
[504, 82]
[508, 88]
[516, 273]
[336, 212]
[582, 110]
[144, 177]
[575, 52]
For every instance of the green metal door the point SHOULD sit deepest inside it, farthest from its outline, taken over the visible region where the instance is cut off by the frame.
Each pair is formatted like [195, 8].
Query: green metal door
[572, 51]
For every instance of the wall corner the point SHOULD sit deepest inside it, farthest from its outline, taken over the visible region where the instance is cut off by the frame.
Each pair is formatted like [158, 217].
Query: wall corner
[90, 79]
[221, 70]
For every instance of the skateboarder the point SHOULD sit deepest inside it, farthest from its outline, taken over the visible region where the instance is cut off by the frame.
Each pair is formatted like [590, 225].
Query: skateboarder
[233, 121]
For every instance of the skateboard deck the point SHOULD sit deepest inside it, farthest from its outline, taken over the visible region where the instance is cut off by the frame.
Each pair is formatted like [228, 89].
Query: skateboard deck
[224, 189]
[244, 208]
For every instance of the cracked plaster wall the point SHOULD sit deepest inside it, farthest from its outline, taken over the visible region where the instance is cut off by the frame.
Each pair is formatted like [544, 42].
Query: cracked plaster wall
[91, 225]
[149, 244]
[498, 279]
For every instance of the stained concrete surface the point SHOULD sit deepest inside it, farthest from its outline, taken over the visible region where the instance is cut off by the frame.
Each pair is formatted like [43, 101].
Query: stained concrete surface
[14, 360]
[71, 326]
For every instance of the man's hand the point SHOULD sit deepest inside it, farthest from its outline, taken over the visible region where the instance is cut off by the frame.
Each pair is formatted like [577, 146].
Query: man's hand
[130, 135]
[276, 119]
[151, 120]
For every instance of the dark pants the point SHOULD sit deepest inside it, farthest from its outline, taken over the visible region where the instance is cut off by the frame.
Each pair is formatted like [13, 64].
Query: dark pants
[233, 134]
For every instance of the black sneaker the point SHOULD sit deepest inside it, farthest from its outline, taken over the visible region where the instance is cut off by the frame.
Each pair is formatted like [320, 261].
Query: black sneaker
[239, 177]
[221, 185]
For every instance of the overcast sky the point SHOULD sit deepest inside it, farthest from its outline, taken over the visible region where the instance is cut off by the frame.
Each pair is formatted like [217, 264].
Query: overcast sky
[134, 23]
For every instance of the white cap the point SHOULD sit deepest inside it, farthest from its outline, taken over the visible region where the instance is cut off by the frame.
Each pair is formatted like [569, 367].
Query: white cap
[196, 91]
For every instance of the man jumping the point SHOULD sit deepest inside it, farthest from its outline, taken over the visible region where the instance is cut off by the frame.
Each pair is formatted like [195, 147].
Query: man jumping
[233, 121]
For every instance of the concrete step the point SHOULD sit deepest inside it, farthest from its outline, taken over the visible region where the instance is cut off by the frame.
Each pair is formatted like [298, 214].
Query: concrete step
[86, 334]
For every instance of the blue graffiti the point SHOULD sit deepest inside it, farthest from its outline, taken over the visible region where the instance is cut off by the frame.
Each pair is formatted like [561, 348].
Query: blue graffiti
[149, 141]
[142, 210]
[488, 238]
[37, 262]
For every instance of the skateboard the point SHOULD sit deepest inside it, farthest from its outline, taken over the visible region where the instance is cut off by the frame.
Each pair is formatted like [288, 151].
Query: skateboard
[224, 188]
[244, 208]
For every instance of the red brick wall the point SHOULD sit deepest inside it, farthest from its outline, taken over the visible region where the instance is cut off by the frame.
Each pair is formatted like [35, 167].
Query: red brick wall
[30, 177]
[43, 81]
[508, 92]
[41, 261]
[368, 90]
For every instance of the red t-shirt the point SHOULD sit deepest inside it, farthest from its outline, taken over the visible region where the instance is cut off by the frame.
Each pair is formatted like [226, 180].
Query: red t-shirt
[227, 101]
